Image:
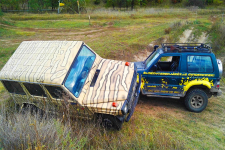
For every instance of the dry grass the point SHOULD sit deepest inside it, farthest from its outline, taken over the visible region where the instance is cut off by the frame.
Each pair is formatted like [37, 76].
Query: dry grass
[156, 124]
[30, 131]
[25, 131]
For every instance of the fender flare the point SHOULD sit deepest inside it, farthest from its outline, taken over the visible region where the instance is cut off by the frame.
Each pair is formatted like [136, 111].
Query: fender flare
[193, 83]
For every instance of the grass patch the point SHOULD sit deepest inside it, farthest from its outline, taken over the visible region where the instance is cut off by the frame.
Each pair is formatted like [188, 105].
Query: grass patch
[5, 54]
[53, 24]
[163, 130]
[217, 35]
[6, 33]
[2, 89]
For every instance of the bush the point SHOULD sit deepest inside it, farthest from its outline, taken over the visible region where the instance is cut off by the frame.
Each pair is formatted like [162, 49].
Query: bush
[27, 131]
[199, 3]
[1, 13]
[96, 2]
[217, 37]
[176, 1]
[168, 30]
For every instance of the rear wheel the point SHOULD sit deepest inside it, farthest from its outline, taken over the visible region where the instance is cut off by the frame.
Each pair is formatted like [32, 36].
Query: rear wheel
[196, 100]
[29, 108]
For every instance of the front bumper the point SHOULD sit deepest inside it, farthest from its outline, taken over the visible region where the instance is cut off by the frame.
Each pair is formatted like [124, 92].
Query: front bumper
[135, 101]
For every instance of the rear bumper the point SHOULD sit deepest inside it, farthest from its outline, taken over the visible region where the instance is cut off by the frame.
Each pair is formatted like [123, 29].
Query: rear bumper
[219, 93]
[216, 91]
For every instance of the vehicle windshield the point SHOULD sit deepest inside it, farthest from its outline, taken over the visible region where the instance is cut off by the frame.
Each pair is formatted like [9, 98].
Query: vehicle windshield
[79, 71]
[151, 59]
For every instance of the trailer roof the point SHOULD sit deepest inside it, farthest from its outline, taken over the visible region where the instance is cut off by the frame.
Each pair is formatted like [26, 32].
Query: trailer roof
[41, 61]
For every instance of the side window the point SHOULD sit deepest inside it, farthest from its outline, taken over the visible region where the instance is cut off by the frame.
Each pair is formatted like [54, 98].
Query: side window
[34, 89]
[166, 59]
[13, 87]
[167, 63]
[56, 92]
[199, 64]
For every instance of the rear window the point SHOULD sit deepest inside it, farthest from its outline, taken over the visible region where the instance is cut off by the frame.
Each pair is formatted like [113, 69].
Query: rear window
[13, 87]
[56, 92]
[199, 64]
[35, 89]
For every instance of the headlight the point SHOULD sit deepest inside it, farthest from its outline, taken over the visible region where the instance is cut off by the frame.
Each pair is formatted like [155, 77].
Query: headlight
[125, 110]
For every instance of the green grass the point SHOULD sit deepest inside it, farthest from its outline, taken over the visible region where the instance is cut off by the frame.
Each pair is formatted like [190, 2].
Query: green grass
[53, 24]
[2, 89]
[5, 54]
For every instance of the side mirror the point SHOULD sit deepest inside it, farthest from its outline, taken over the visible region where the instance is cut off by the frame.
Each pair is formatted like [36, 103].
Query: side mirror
[155, 47]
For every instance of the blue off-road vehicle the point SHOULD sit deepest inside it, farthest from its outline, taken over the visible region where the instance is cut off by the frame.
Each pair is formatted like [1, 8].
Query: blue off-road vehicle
[182, 70]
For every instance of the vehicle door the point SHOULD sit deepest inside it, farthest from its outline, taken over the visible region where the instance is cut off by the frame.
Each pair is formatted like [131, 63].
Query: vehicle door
[163, 77]
[199, 68]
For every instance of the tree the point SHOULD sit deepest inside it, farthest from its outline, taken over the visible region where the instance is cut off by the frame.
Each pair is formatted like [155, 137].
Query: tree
[199, 3]
[71, 6]
[134, 3]
[10, 4]
[53, 4]
[143, 2]
[176, 1]
[96, 2]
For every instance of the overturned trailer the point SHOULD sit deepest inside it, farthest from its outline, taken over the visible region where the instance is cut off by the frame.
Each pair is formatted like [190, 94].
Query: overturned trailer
[48, 74]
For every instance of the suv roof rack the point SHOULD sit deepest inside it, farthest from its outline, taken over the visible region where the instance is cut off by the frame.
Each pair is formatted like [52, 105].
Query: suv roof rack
[186, 47]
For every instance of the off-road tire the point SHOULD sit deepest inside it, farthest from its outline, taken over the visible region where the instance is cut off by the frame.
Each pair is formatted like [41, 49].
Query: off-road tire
[109, 122]
[34, 110]
[196, 100]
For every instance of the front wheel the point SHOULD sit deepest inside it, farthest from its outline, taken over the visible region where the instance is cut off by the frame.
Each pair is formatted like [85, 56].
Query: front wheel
[109, 122]
[196, 100]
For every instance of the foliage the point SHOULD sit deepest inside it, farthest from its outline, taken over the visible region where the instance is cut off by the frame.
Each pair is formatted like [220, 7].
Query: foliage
[218, 36]
[199, 3]
[96, 2]
[1, 13]
[71, 6]
[25, 131]
[10, 4]
[176, 1]
[218, 2]
[125, 3]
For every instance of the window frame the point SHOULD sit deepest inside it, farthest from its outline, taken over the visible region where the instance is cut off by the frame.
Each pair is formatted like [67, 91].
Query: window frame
[24, 93]
[33, 94]
[53, 86]
[72, 67]
[168, 55]
[200, 72]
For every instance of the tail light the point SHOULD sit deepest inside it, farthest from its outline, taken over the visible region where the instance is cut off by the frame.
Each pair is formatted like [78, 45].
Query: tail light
[218, 84]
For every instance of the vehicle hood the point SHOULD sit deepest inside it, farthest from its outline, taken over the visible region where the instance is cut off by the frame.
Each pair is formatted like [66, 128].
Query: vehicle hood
[140, 65]
[112, 84]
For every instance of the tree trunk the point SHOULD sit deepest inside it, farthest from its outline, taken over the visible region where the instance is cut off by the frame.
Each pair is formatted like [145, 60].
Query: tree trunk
[132, 4]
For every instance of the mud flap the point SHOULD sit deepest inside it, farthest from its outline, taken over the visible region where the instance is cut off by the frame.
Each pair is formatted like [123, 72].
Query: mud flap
[135, 100]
